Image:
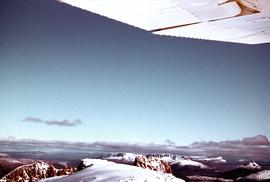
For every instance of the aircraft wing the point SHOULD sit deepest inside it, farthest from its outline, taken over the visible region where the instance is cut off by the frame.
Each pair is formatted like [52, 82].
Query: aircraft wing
[241, 21]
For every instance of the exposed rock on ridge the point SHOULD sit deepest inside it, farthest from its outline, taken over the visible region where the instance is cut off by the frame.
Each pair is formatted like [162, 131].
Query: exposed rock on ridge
[34, 172]
[152, 163]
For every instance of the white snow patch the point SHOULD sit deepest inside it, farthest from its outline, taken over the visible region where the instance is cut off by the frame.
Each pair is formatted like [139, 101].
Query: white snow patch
[183, 162]
[259, 176]
[251, 165]
[188, 162]
[122, 157]
[219, 159]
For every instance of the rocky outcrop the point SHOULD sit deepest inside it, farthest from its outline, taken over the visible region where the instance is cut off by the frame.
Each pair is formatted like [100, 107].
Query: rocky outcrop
[35, 171]
[152, 163]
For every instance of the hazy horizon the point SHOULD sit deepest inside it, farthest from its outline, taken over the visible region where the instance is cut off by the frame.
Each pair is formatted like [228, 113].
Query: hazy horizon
[67, 74]
[167, 142]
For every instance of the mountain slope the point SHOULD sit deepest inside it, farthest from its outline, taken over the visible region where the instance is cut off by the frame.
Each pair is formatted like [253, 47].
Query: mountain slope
[242, 170]
[106, 171]
[259, 176]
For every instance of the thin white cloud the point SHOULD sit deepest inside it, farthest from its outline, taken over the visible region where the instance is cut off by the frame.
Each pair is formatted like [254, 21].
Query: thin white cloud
[53, 122]
[64, 122]
[33, 119]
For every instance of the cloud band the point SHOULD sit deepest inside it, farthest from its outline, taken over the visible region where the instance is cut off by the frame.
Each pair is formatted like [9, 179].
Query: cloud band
[65, 122]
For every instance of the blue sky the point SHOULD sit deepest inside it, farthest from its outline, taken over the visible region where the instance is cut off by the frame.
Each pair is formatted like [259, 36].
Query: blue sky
[124, 84]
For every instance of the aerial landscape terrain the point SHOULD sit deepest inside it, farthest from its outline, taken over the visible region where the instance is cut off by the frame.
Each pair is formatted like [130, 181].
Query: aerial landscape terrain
[134, 91]
[32, 160]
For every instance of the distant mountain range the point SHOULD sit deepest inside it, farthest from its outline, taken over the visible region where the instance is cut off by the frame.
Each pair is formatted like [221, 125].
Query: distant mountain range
[242, 160]
[137, 167]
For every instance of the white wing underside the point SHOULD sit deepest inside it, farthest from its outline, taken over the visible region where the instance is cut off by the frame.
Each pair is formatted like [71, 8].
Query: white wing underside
[241, 21]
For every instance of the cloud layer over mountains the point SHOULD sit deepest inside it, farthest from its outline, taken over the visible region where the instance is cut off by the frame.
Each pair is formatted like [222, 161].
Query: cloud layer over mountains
[256, 140]
[250, 148]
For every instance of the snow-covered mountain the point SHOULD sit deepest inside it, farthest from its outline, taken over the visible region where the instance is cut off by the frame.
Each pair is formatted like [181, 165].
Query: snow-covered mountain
[242, 171]
[259, 176]
[179, 166]
[137, 167]
[178, 160]
[252, 166]
[121, 157]
[153, 159]
[106, 171]
[129, 158]
[219, 159]
[35, 171]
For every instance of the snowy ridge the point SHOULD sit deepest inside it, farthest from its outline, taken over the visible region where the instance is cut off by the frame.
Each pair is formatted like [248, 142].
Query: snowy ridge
[106, 171]
[124, 158]
[259, 176]
[188, 162]
[209, 159]
[129, 158]
[180, 161]
[251, 165]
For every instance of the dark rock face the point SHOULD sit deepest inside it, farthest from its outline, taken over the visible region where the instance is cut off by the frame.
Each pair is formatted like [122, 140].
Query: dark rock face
[152, 163]
[234, 174]
[35, 171]
[81, 166]
[184, 172]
